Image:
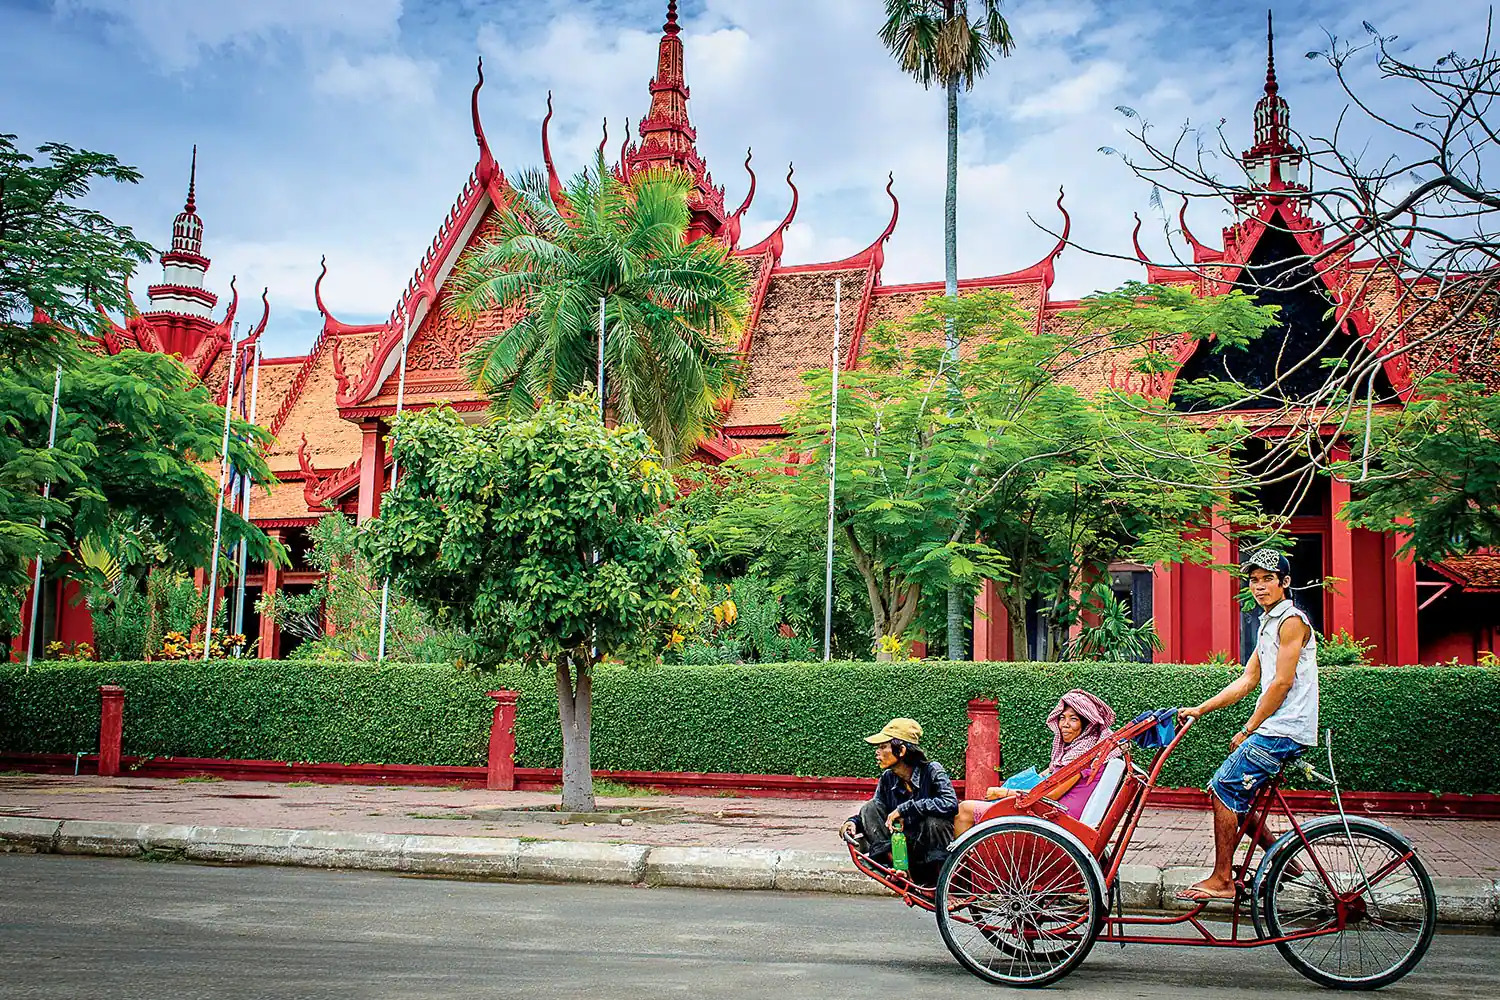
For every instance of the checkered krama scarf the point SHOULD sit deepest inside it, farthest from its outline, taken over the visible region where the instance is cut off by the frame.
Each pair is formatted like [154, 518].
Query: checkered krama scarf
[1097, 717]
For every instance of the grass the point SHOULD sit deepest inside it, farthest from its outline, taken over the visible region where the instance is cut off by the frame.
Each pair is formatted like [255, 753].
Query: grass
[301, 784]
[604, 788]
[198, 778]
[421, 815]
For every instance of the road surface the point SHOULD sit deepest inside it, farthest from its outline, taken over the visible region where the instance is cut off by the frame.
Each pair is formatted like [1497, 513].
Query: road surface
[104, 928]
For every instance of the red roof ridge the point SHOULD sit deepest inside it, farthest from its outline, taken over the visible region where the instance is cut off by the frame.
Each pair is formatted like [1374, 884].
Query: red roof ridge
[773, 244]
[872, 256]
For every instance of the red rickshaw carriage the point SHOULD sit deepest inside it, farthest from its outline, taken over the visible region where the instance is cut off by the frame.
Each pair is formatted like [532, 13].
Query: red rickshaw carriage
[1025, 894]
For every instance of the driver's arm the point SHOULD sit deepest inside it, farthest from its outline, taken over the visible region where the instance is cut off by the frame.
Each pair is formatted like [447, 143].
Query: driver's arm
[1294, 635]
[1233, 692]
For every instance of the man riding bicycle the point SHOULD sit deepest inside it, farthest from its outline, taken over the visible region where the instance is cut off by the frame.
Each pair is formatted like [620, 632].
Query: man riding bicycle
[1285, 720]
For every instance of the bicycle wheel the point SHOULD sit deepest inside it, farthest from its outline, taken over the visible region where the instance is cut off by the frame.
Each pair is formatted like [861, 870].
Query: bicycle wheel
[1019, 904]
[1380, 889]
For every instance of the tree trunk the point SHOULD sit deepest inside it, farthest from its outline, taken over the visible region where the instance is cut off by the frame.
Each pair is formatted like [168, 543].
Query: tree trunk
[575, 713]
[956, 610]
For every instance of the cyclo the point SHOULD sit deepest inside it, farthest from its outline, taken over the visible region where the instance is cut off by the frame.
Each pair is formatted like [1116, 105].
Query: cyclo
[1025, 894]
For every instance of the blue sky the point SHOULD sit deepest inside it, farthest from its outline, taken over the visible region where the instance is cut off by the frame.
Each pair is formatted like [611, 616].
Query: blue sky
[342, 126]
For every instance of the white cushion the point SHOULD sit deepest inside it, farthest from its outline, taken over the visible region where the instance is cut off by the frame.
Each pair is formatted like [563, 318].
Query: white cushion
[1103, 793]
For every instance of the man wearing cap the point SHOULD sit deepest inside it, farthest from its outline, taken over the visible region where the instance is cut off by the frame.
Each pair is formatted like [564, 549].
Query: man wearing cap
[913, 789]
[1285, 720]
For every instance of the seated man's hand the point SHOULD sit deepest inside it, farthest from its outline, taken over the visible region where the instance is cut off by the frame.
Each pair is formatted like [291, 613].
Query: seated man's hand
[890, 821]
[849, 830]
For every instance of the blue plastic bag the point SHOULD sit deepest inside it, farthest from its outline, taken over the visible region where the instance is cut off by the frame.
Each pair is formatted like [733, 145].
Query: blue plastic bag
[1025, 781]
[1164, 732]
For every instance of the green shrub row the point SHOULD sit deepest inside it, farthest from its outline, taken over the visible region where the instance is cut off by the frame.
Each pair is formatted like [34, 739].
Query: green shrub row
[1396, 729]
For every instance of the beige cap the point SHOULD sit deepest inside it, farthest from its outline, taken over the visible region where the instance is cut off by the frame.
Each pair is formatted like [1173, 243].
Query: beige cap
[905, 730]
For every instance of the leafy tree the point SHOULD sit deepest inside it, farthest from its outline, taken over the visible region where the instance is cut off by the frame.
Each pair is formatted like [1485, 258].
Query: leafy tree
[1433, 471]
[540, 539]
[1109, 633]
[939, 42]
[134, 430]
[671, 308]
[339, 619]
[1018, 477]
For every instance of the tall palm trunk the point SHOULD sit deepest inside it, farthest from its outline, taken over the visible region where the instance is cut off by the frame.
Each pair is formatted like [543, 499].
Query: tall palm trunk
[950, 288]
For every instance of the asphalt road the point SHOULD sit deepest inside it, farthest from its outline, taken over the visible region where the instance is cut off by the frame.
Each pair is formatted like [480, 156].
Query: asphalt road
[100, 928]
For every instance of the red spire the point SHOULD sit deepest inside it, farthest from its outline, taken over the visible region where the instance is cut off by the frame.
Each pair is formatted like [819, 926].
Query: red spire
[192, 205]
[667, 137]
[1272, 116]
[187, 228]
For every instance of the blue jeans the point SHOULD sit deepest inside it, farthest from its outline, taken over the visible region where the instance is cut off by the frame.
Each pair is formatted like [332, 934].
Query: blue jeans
[1255, 762]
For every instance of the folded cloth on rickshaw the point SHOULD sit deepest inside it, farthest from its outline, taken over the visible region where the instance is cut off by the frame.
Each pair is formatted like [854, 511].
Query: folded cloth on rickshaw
[1159, 735]
[1025, 781]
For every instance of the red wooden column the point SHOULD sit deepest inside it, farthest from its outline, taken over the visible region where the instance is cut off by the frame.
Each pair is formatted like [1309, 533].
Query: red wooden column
[1165, 579]
[1341, 554]
[992, 633]
[1402, 603]
[269, 634]
[502, 770]
[982, 760]
[371, 469]
[111, 725]
[1224, 612]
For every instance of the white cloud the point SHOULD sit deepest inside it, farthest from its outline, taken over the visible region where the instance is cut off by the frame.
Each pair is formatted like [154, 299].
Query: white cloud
[181, 32]
[386, 78]
[1077, 94]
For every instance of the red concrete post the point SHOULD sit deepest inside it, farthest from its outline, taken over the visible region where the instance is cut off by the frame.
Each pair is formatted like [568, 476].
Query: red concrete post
[982, 761]
[1340, 555]
[111, 725]
[502, 770]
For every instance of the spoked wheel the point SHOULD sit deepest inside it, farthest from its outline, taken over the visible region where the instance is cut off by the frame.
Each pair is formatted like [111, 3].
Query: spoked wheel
[1019, 904]
[1380, 891]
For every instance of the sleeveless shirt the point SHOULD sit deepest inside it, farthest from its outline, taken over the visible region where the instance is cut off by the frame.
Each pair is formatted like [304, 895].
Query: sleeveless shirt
[1297, 718]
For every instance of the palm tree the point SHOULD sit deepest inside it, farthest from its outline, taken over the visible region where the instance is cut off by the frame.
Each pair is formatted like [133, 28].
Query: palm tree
[673, 310]
[936, 41]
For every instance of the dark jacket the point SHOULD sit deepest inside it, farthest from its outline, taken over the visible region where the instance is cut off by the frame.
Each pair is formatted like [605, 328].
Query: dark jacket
[931, 794]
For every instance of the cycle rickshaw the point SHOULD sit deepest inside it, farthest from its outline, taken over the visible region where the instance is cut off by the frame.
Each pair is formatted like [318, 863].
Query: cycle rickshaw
[1027, 892]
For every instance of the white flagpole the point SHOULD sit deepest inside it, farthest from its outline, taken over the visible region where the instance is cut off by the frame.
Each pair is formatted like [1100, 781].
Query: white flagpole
[239, 597]
[36, 579]
[385, 587]
[833, 457]
[601, 359]
[213, 563]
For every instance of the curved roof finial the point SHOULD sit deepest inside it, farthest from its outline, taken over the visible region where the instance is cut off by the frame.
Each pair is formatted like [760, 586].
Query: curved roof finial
[605, 139]
[265, 312]
[749, 195]
[554, 186]
[1135, 238]
[1411, 234]
[890, 184]
[625, 153]
[773, 242]
[234, 303]
[487, 168]
[1199, 250]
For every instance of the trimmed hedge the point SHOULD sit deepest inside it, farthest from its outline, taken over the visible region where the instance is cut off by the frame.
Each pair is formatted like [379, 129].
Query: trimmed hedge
[1396, 729]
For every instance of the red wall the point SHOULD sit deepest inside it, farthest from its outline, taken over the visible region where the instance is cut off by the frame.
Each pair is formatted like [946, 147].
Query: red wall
[1369, 590]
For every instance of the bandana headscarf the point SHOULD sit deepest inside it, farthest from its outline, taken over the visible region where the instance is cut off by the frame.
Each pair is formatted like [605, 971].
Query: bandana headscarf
[1097, 718]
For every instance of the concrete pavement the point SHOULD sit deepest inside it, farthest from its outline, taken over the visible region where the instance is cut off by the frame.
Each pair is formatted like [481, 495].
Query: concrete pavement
[753, 843]
[114, 929]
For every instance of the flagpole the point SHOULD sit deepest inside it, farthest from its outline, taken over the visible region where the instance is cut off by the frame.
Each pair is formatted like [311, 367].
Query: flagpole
[385, 586]
[239, 597]
[213, 564]
[36, 580]
[601, 359]
[833, 457]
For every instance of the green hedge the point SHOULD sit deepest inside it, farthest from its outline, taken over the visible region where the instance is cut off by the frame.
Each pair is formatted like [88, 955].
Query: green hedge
[1396, 729]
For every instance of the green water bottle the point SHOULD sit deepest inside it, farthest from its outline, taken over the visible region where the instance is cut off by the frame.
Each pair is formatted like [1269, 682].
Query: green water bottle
[899, 860]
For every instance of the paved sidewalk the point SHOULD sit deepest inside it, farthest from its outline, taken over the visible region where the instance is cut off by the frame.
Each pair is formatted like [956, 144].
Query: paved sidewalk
[1166, 838]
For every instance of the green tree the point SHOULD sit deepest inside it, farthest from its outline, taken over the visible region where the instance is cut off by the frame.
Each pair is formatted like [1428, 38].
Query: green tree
[938, 42]
[1018, 477]
[134, 430]
[1433, 470]
[672, 309]
[540, 539]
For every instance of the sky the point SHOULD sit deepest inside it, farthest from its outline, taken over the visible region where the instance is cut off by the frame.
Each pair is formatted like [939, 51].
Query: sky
[341, 127]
